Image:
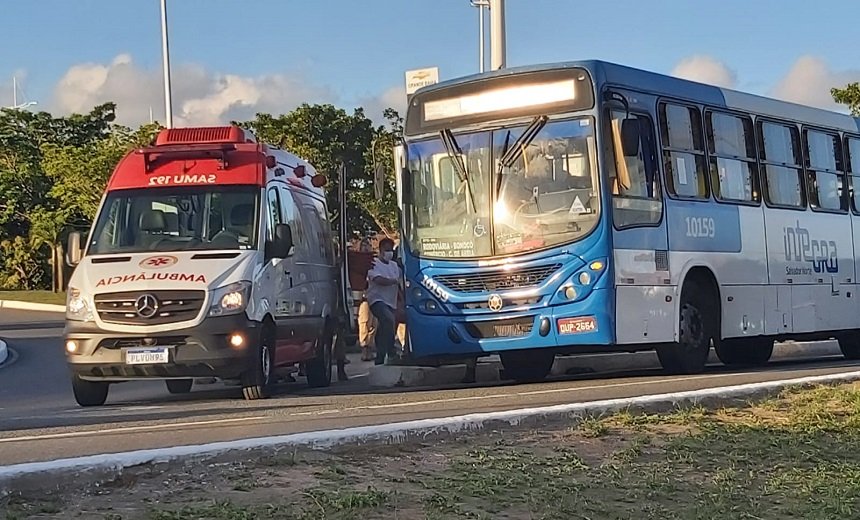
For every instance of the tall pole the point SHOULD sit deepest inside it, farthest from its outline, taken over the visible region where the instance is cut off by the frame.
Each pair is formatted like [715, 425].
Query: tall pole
[481, 37]
[165, 59]
[14, 92]
[497, 34]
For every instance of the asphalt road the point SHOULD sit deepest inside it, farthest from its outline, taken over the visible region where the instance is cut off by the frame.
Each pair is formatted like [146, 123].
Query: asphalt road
[40, 421]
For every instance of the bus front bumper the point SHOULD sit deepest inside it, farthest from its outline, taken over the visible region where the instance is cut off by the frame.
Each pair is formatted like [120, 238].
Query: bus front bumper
[570, 327]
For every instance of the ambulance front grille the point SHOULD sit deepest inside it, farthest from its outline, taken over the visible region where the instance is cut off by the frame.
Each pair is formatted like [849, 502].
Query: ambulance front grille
[123, 308]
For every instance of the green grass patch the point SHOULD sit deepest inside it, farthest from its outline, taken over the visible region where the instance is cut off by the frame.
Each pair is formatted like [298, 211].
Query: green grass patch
[34, 297]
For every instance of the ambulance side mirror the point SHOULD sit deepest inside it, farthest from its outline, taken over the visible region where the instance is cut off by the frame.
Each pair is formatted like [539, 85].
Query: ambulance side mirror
[75, 250]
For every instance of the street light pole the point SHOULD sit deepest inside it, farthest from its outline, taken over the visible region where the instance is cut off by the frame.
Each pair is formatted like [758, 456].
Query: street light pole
[481, 37]
[482, 41]
[497, 34]
[165, 58]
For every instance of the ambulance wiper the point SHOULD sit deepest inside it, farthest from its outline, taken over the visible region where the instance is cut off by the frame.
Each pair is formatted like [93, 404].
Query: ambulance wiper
[511, 154]
[456, 156]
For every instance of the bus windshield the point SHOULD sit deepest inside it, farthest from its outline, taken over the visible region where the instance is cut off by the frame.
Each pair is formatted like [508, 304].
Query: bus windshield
[172, 219]
[546, 193]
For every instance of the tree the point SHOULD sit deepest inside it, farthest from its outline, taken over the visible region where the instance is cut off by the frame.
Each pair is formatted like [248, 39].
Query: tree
[850, 95]
[79, 174]
[327, 136]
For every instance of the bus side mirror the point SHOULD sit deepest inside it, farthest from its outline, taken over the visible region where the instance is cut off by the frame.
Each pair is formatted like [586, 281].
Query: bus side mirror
[630, 136]
[75, 251]
[282, 245]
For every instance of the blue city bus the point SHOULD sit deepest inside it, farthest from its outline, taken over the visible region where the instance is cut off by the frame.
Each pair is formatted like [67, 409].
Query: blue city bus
[591, 207]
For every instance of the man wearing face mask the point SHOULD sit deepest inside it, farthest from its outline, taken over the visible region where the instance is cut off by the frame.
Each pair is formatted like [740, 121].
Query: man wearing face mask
[383, 279]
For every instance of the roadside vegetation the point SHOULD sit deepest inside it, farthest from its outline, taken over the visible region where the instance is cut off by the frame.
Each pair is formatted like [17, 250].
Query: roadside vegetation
[57, 298]
[796, 455]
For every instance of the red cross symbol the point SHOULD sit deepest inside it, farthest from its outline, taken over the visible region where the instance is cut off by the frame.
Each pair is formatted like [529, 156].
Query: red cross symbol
[158, 262]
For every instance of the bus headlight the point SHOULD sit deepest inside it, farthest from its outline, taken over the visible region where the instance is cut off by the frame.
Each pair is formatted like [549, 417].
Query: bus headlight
[230, 299]
[77, 306]
[581, 283]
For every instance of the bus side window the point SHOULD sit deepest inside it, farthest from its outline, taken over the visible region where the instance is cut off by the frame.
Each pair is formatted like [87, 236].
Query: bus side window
[852, 149]
[636, 197]
[825, 169]
[782, 164]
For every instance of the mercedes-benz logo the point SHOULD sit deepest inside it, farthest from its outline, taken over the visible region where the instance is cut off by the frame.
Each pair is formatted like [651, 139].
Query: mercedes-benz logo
[146, 306]
[495, 303]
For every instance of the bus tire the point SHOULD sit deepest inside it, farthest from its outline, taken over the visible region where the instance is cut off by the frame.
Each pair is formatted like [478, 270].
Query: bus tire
[744, 351]
[697, 327]
[89, 393]
[527, 366]
[318, 370]
[179, 386]
[257, 379]
[850, 346]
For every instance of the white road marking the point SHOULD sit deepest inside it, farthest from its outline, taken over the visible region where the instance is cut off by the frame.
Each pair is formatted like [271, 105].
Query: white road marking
[127, 429]
[515, 394]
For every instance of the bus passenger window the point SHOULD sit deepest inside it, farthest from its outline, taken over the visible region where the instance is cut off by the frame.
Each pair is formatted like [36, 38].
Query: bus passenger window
[634, 181]
[734, 166]
[826, 172]
[683, 151]
[783, 173]
[852, 146]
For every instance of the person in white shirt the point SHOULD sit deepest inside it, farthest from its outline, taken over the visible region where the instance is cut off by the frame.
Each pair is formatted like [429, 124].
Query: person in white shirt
[383, 281]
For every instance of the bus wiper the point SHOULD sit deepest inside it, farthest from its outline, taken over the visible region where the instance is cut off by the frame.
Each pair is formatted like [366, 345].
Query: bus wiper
[456, 156]
[512, 154]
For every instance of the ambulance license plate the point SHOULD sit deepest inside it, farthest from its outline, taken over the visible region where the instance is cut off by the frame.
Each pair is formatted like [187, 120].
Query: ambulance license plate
[577, 325]
[146, 356]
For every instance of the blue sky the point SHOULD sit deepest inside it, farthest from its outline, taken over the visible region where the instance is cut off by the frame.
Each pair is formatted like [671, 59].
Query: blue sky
[231, 57]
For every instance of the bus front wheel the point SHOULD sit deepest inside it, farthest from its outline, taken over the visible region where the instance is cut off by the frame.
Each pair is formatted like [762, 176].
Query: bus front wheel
[745, 351]
[696, 328]
[527, 366]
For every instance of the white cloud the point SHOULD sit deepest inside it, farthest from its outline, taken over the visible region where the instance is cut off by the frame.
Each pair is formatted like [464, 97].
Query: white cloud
[706, 69]
[200, 97]
[394, 97]
[809, 82]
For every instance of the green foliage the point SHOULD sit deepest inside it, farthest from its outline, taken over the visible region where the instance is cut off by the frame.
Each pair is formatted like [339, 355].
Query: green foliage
[21, 265]
[850, 95]
[327, 136]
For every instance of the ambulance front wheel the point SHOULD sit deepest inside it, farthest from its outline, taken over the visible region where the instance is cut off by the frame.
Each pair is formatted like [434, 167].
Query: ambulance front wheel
[258, 376]
[89, 393]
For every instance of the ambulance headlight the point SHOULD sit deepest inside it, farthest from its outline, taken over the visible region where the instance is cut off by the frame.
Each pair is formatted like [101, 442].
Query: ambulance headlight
[77, 306]
[230, 299]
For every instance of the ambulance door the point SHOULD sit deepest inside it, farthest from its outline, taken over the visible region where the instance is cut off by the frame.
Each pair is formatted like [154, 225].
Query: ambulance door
[281, 277]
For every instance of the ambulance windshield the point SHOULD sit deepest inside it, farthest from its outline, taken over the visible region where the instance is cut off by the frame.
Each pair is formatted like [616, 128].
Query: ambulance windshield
[175, 219]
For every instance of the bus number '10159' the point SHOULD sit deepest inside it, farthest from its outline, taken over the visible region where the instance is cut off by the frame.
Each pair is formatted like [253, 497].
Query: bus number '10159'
[701, 227]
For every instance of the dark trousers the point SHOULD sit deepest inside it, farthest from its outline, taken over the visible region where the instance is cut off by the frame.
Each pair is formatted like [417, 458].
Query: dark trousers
[384, 331]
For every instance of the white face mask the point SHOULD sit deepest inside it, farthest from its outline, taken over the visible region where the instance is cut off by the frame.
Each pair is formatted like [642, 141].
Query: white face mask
[387, 255]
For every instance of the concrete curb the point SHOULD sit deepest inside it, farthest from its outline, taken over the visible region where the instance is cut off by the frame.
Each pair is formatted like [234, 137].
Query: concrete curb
[107, 466]
[4, 352]
[390, 376]
[28, 306]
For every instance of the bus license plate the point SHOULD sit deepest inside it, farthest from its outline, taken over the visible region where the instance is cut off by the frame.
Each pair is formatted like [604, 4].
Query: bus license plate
[146, 356]
[577, 325]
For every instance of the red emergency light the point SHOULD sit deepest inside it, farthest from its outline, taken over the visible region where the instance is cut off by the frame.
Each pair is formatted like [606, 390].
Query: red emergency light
[204, 135]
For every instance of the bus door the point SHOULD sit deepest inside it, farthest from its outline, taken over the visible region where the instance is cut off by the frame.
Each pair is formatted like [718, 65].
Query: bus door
[642, 280]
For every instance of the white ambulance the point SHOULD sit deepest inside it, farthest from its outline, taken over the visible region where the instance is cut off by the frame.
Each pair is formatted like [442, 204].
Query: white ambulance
[211, 256]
